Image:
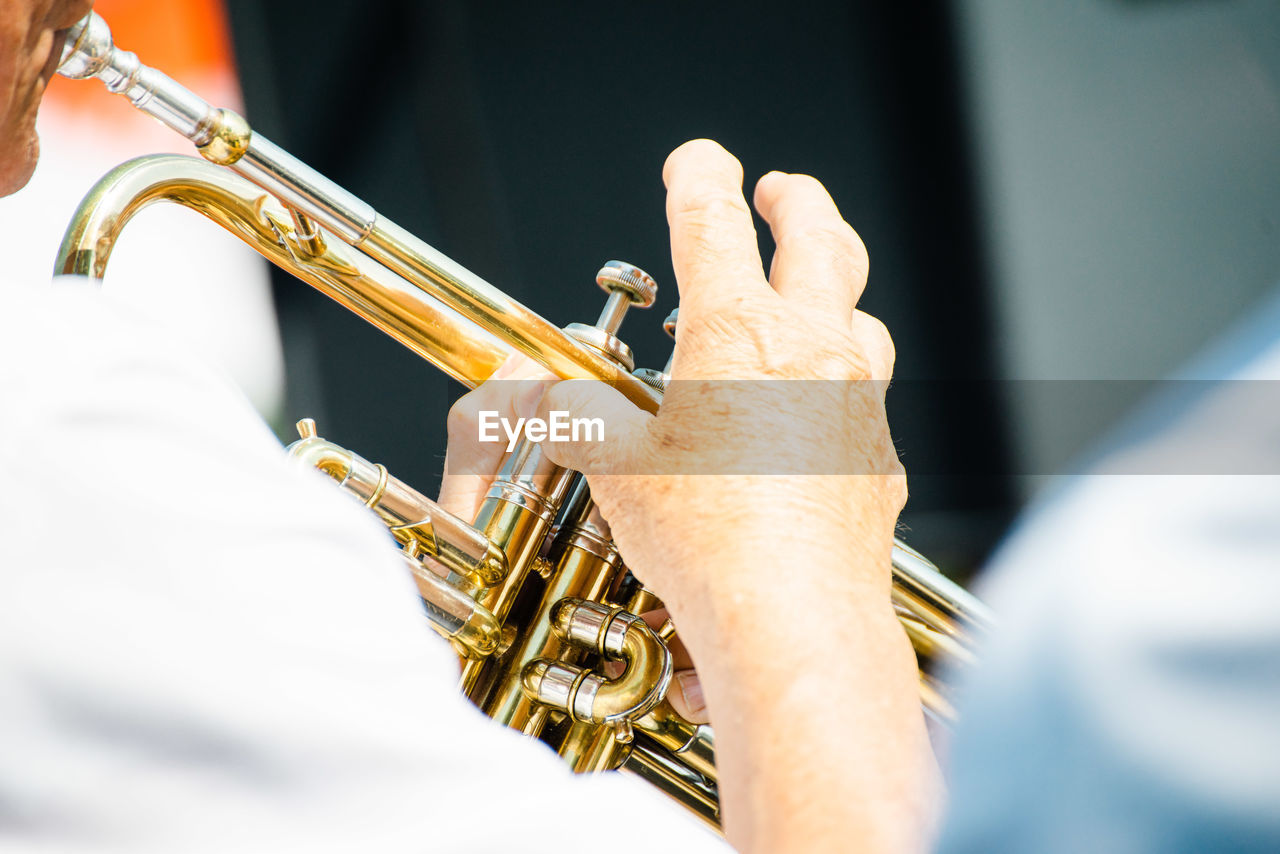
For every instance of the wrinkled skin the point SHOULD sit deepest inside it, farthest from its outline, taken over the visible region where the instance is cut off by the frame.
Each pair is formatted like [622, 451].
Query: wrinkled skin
[776, 573]
[31, 40]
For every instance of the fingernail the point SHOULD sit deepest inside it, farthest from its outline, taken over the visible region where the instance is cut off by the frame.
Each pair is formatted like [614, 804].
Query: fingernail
[526, 402]
[691, 688]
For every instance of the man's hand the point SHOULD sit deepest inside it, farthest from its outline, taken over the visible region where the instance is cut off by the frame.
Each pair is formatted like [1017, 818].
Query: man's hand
[470, 465]
[760, 504]
[775, 380]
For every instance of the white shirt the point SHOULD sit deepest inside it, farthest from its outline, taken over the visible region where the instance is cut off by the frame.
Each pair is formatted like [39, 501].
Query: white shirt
[204, 647]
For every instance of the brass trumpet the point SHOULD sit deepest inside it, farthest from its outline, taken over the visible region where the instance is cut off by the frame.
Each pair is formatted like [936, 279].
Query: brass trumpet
[533, 596]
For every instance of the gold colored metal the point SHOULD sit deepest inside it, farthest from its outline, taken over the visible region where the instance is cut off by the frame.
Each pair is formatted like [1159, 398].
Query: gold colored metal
[536, 599]
[596, 698]
[590, 749]
[456, 615]
[230, 140]
[307, 233]
[458, 347]
[675, 779]
[409, 515]
[580, 571]
[693, 743]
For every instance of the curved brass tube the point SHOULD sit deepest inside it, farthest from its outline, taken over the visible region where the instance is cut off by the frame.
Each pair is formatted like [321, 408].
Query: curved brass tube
[452, 611]
[456, 615]
[458, 347]
[641, 685]
[333, 460]
[695, 744]
[409, 515]
[587, 696]
[324, 235]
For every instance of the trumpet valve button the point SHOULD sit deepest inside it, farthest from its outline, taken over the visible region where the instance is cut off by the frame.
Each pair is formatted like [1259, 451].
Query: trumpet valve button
[627, 285]
[638, 285]
[669, 325]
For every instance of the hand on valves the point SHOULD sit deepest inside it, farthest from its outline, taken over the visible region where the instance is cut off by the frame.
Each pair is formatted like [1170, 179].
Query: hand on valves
[778, 582]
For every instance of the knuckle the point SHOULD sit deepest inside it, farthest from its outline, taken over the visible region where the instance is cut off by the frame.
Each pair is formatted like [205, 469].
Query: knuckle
[464, 415]
[879, 334]
[558, 397]
[836, 361]
[836, 237]
[885, 342]
[573, 396]
[894, 490]
[832, 237]
[711, 204]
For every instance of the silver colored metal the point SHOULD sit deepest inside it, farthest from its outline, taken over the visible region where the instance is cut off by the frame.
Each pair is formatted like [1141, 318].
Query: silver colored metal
[619, 276]
[584, 622]
[603, 342]
[627, 285]
[917, 574]
[615, 634]
[669, 324]
[522, 496]
[703, 741]
[528, 479]
[668, 774]
[557, 684]
[299, 186]
[591, 541]
[669, 327]
[227, 140]
[87, 48]
[91, 53]
[584, 699]
[319, 209]
[650, 377]
[615, 308]
[454, 613]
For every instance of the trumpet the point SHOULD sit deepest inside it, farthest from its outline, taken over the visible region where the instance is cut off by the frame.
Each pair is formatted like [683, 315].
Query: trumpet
[533, 595]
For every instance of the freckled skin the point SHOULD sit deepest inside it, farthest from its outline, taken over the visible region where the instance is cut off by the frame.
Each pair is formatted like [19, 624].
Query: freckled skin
[30, 46]
[815, 749]
[778, 583]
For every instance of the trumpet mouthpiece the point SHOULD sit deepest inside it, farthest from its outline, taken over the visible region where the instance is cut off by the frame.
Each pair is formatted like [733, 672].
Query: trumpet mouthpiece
[88, 48]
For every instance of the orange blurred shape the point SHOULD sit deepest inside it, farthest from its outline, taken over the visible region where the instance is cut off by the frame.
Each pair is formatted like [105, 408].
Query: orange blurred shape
[189, 40]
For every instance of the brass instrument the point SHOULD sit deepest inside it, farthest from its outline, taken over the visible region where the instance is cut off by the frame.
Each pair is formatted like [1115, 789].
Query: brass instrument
[530, 592]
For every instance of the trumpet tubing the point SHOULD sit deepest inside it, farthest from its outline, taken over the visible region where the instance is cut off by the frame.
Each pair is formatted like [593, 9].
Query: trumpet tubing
[533, 596]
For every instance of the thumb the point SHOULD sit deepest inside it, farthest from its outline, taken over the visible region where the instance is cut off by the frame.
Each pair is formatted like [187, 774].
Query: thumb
[606, 433]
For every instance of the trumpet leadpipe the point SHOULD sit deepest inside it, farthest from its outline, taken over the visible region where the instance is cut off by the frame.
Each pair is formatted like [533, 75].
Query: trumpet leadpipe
[226, 139]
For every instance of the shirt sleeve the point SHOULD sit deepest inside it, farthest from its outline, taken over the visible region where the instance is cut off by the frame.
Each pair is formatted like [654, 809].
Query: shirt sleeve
[204, 647]
[1129, 700]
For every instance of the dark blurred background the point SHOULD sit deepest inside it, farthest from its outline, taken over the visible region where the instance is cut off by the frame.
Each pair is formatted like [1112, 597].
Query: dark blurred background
[1060, 190]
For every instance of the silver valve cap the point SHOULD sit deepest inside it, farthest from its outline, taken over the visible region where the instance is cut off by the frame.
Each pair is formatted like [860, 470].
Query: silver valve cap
[669, 325]
[630, 279]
